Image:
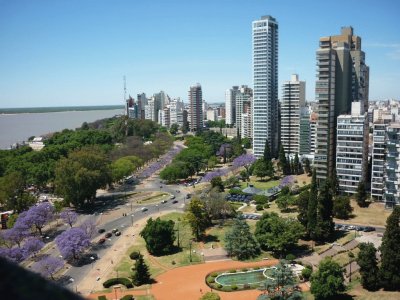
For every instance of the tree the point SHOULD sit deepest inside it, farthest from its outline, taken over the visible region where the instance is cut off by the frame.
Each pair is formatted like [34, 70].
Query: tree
[281, 284]
[267, 151]
[197, 217]
[217, 207]
[361, 195]
[80, 175]
[240, 242]
[89, 227]
[38, 216]
[72, 242]
[328, 281]
[325, 226]
[307, 167]
[32, 245]
[212, 162]
[174, 128]
[124, 166]
[335, 183]
[278, 234]
[296, 165]
[244, 160]
[302, 204]
[141, 274]
[341, 207]
[390, 254]
[263, 168]
[69, 216]
[367, 261]
[159, 236]
[312, 207]
[283, 163]
[48, 266]
[284, 201]
[216, 182]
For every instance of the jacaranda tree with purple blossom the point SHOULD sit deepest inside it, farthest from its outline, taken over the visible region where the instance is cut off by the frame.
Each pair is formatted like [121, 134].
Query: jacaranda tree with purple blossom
[17, 234]
[38, 216]
[15, 254]
[286, 181]
[69, 216]
[32, 246]
[244, 160]
[89, 227]
[72, 242]
[216, 173]
[48, 266]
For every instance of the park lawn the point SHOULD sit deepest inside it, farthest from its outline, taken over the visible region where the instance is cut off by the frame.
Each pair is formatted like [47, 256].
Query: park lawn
[358, 292]
[273, 207]
[154, 198]
[236, 205]
[375, 214]
[217, 234]
[262, 185]
[343, 258]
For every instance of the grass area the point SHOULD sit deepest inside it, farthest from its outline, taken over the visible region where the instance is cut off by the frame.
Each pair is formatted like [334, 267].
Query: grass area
[273, 207]
[158, 265]
[263, 185]
[158, 197]
[343, 258]
[357, 292]
[146, 297]
[374, 214]
[236, 205]
[218, 234]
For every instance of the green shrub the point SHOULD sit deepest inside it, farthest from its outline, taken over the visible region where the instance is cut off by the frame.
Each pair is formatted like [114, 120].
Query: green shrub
[246, 286]
[232, 271]
[266, 206]
[102, 297]
[134, 255]
[210, 280]
[306, 273]
[127, 297]
[226, 289]
[260, 199]
[290, 257]
[234, 287]
[244, 270]
[219, 286]
[173, 262]
[259, 207]
[210, 296]
[113, 281]
[214, 274]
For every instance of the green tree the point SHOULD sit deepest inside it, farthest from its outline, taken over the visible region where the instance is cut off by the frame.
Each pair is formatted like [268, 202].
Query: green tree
[124, 166]
[141, 274]
[328, 281]
[278, 234]
[312, 207]
[390, 254]
[210, 296]
[307, 167]
[283, 163]
[12, 192]
[367, 261]
[325, 226]
[302, 204]
[263, 168]
[174, 128]
[197, 217]
[361, 195]
[267, 152]
[216, 182]
[80, 175]
[159, 236]
[246, 143]
[240, 242]
[212, 162]
[296, 164]
[284, 202]
[281, 284]
[335, 184]
[341, 207]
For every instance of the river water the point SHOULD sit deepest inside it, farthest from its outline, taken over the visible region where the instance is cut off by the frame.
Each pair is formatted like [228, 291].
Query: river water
[15, 128]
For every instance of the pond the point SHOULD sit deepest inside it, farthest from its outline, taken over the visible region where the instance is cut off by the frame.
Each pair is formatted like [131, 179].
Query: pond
[240, 278]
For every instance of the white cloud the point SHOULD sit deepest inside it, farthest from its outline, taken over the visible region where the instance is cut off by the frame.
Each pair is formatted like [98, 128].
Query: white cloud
[394, 52]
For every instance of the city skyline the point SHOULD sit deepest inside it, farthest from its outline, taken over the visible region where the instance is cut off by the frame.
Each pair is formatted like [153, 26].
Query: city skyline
[58, 53]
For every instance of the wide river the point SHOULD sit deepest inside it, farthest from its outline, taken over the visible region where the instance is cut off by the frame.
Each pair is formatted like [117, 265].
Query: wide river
[19, 127]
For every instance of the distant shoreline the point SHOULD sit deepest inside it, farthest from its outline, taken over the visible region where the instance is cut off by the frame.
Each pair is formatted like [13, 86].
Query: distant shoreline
[57, 109]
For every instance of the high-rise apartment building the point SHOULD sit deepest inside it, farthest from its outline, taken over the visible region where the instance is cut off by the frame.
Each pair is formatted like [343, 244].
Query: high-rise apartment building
[352, 149]
[265, 80]
[196, 108]
[230, 105]
[243, 96]
[378, 159]
[293, 100]
[246, 121]
[391, 195]
[141, 103]
[305, 134]
[342, 77]
[313, 131]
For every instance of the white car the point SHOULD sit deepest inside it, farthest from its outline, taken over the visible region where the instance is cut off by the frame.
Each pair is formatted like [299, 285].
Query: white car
[143, 209]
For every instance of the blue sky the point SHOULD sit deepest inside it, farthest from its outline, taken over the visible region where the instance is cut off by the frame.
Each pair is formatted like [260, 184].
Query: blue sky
[76, 52]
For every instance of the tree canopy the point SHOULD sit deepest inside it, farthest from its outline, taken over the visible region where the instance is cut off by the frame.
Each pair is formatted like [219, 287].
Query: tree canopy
[159, 236]
[328, 281]
[197, 217]
[240, 242]
[368, 263]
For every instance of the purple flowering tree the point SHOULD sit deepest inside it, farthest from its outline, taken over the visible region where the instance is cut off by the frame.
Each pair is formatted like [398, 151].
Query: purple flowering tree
[286, 181]
[89, 227]
[38, 216]
[32, 245]
[15, 235]
[244, 160]
[48, 266]
[69, 216]
[216, 173]
[72, 242]
[15, 254]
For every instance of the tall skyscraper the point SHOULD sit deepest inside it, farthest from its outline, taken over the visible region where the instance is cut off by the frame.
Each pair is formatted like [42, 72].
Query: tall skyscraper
[196, 107]
[230, 105]
[265, 80]
[293, 100]
[342, 77]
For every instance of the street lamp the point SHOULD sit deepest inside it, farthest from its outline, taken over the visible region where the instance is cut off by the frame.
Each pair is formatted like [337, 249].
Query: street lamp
[351, 255]
[92, 259]
[132, 219]
[190, 251]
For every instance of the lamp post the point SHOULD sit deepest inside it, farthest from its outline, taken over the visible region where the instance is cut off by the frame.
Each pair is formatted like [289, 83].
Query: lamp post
[132, 219]
[351, 255]
[190, 251]
[92, 259]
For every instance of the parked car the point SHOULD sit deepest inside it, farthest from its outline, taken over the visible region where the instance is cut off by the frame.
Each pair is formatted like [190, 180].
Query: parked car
[118, 233]
[114, 230]
[175, 201]
[143, 209]
[164, 201]
[369, 228]
[101, 230]
[172, 197]
[188, 196]
[101, 241]
[108, 235]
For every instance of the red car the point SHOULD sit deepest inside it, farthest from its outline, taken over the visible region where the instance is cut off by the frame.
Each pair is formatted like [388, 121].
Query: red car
[101, 241]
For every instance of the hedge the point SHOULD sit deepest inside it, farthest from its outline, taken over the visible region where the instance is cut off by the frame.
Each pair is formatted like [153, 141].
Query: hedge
[134, 255]
[124, 281]
[102, 298]
[127, 297]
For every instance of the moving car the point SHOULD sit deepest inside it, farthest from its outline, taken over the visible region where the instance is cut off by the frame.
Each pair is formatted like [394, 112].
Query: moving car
[143, 209]
[164, 201]
[172, 197]
[101, 241]
[108, 235]
[175, 201]
[101, 230]
[117, 233]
